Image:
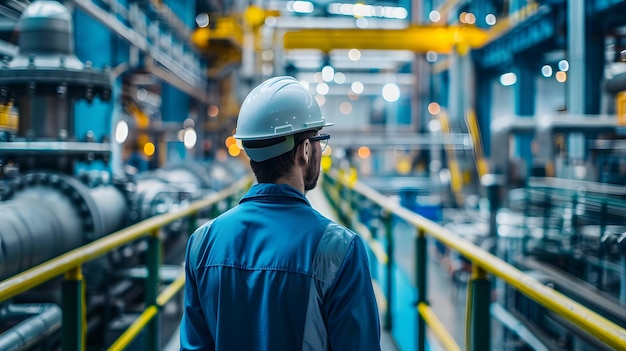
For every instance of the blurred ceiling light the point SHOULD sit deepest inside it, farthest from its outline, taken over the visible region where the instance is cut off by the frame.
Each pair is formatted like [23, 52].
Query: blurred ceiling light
[431, 56]
[490, 19]
[434, 125]
[470, 18]
[202, 20]
[340, 78]
[357, 87]
[546, 71]
[328, 73]
[434, 16]
[434, 108]
[345, 108]
[230, 141]
[564, 65]
[149, 148]
[121, 131]
[391, 92]
[190, 138]
[234, 150]
[561, 76]
[213, 111]
[508, 79]
[354, 54]
[322, 88]
[364, 152]
[300, 6]
[462, 17]
[362, 10]
[361, 22]
[317, 77]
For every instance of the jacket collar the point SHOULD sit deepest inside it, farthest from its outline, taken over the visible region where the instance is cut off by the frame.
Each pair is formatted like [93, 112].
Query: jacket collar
[273, 192]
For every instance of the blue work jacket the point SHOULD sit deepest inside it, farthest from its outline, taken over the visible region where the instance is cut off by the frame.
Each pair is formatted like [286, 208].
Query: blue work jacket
[273, 274]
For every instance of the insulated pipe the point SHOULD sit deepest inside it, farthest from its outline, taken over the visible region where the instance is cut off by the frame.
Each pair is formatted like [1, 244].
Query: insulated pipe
[44, 319]
[50, 214]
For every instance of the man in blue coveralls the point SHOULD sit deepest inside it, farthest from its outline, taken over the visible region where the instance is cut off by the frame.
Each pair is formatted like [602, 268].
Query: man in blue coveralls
[272, 273]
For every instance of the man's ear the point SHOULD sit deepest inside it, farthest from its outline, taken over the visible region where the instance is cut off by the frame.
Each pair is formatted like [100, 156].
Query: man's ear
[304, 151]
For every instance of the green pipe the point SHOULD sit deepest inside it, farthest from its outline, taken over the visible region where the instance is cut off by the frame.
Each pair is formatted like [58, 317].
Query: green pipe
[420, 283]
[152, 289]
[387, 218]
[72, 304]
[480, 319]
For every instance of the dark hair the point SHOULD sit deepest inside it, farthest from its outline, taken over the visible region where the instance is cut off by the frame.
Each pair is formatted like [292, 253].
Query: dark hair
[270, 170]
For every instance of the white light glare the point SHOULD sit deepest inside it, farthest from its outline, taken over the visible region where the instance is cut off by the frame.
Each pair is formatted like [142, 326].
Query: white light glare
[361, 23]
[322, 88]
[361, 10]
[434, 16]
[354, 55]
[340, 78]
[490, 19]
[202, 20]
[431, 56]
[357, 87]
[546, 71]
[190, 138]
[121, 131]
[391, 92]
[508, 79]
[328, 73]
[300, 6]
[564, 65]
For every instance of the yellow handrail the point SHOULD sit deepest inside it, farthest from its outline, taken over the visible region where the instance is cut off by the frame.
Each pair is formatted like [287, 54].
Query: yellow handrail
[437, 327]
[603, 329]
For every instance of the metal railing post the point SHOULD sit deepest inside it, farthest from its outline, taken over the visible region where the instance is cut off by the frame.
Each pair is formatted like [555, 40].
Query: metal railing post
[387, 218]
[420, 283]
[479, 300]
[153, 261]
[73, 305]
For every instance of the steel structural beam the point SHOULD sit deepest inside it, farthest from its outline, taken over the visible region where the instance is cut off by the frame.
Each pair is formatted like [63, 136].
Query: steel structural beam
[416, 38]
[537, 29]
[185, 74]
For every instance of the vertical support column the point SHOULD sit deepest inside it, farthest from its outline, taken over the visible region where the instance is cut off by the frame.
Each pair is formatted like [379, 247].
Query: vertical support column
[153, 261]
[483, 110]
[387, 218]
[525, 95]
[478, 299]
[74, 319]
[420, 282]
[576, 80]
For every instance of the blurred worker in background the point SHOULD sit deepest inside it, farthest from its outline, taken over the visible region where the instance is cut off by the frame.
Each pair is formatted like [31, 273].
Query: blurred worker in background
[273, 273]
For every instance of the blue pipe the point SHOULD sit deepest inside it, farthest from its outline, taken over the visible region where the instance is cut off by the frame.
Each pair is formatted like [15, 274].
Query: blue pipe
[43, 320]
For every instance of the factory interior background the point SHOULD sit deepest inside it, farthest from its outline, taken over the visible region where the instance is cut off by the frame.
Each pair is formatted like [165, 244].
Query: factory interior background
[479, 148]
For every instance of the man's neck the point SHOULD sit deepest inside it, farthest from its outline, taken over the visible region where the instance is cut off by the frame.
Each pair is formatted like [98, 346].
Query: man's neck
[294, 179]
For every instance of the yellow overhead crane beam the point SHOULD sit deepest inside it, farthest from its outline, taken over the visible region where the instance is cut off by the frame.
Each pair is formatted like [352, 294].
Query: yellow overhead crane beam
[416, 38]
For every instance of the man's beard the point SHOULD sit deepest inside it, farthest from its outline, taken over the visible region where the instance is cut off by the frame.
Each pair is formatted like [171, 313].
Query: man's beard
[312, 171]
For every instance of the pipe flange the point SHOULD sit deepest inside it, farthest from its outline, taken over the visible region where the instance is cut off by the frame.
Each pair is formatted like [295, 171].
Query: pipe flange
[74, 190]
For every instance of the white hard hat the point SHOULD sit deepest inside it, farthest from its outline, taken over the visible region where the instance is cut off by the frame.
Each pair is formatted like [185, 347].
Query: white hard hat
[278, 107]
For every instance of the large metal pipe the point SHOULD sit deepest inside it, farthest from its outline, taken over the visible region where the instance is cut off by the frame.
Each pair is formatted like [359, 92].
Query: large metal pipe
[44, 319]
[49, 214]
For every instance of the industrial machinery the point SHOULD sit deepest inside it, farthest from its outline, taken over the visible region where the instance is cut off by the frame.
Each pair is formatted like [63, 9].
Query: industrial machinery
[57, 192]
[560, 219]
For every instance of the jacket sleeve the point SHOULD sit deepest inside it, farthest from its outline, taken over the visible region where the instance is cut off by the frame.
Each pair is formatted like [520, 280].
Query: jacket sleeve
[350, 305]
[194, 333]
